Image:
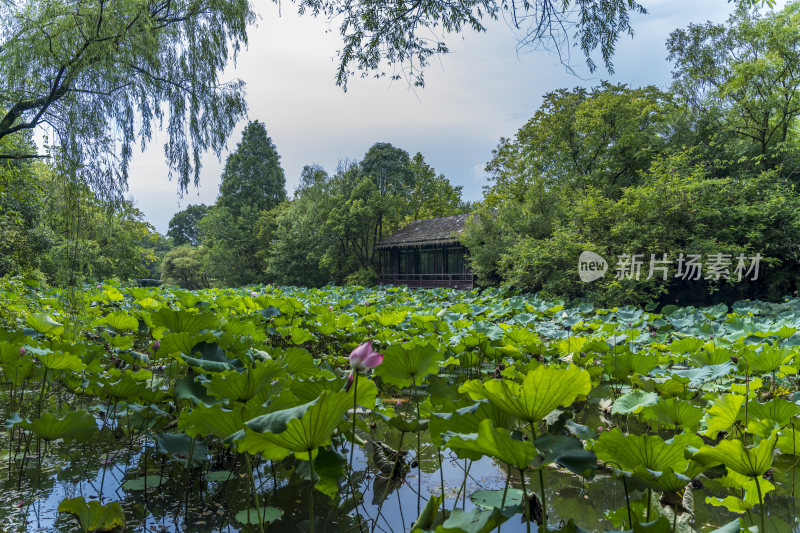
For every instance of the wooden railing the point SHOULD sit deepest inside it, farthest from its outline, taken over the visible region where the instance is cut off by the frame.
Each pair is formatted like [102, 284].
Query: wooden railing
[453, 281]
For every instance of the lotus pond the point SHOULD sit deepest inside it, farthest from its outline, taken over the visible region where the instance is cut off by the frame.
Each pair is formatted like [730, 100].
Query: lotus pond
[391, 410]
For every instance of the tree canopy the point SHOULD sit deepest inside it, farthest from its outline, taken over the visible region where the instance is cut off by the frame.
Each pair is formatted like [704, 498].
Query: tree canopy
[103, 76]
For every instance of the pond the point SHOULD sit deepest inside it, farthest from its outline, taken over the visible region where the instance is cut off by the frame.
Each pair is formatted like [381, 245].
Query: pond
[179, 411]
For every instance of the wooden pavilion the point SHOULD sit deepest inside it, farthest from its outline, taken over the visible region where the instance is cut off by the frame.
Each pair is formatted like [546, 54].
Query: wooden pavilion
[426, 253]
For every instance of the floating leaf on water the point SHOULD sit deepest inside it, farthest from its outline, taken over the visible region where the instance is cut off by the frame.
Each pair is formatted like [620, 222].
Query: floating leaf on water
[254, 516]
[139, 483]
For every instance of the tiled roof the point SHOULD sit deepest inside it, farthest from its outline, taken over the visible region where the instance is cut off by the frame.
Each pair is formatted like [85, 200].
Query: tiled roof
[443, 230]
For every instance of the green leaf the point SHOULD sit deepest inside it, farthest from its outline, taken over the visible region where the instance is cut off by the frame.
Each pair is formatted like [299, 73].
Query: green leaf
[492, 442]
[183, 342]
[739, 482]
[215, 420]
[181, 446]
[139, 483]
[674, 413]
[184, 320]
[408, 363]
[44, 324]
[296, 335]
[543, 389]
[301, 430]
[778, 410]
[493, 499]
[124, 388]
[93, 516]
[473, 521]
[121, 321]
[242, 386]
[254, 516]
[77, 425]
[568, 453]
[299, 362]
[62, 361]
[660, 464]
[189, 388]
[432, 515]
[724, 414]
[307, 390]
[633, 402]
[751, 462]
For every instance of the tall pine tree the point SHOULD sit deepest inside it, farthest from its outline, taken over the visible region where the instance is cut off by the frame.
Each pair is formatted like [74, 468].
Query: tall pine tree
[252, 184]
[253, 177]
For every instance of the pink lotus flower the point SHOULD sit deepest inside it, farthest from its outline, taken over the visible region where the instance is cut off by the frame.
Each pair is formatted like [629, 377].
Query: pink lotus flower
[22, 351]
[330, 308]
[99, 286]
[363, 357]
[253, 294]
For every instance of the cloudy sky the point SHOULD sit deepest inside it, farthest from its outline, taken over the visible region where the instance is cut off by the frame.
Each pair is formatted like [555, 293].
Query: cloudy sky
[483, 90]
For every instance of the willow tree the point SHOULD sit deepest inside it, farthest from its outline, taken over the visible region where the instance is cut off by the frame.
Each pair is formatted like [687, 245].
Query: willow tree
[103, 75]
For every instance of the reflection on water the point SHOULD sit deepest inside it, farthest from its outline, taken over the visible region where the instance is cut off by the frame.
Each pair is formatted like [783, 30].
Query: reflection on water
[188, 501]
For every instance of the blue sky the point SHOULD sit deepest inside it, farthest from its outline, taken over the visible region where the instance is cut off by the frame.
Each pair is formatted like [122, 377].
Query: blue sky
[483, 90]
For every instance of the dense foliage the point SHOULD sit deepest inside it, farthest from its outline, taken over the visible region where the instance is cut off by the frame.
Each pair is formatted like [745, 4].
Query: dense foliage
[326, 232]
[708, 168]
[239, 408]
[59, 228]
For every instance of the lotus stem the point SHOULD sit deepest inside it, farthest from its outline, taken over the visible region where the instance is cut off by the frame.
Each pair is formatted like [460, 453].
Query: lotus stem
[353, 444]
[463, 486]
[794, 454]
[419, 460]
[544, 499]
[627, 502]
[441, 478]
[252, 488]
[310, 496]
[505, 491]
[41, 393]
[541, 485]
[649, 497]
[760, 505]
[525, 503]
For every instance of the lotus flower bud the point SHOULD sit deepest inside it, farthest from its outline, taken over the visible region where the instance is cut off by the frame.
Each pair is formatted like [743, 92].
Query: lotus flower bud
[22, 351]
[156, 346]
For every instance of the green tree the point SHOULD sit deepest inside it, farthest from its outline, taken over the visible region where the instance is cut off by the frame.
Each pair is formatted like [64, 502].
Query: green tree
[183, 226]
[382, 37]
[742, 80]
[601, 138]
[185, 266]
[253, 178]
[433, 195]
[299, 242]
[252, 185]
[389, 169]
